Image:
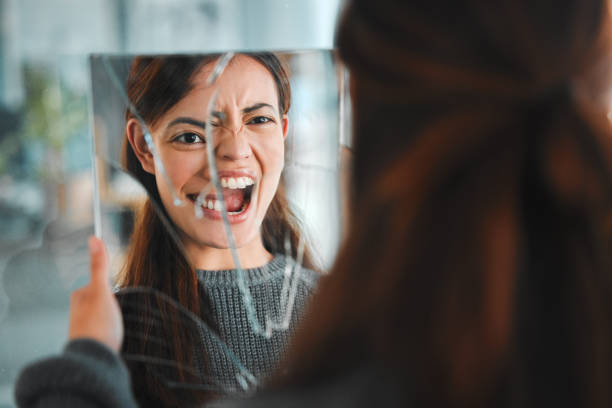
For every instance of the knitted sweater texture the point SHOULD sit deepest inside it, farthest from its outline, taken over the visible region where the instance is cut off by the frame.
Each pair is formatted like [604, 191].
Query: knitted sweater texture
[258, 354]
[222, 354]
[88, 374]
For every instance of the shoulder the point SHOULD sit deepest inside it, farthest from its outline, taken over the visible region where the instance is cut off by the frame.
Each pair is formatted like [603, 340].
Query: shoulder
[141, 305]
[305, 276]
[86, 374]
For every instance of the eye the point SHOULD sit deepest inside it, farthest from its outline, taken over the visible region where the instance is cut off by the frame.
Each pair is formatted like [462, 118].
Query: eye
[260, 120]
[189, 138]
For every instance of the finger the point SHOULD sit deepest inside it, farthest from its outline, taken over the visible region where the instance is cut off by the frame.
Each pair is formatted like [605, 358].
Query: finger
[99, 262]
[76, 296]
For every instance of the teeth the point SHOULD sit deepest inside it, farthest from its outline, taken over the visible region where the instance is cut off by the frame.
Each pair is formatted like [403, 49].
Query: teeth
[216, 205]
[236, 182]
[226, 182]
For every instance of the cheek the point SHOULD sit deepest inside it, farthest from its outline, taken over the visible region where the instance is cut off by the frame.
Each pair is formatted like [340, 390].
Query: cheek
[164, 191]
[180, 167]
[272, 156]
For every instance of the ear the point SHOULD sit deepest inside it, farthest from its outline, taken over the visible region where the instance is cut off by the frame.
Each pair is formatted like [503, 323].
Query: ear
[285, 121]
[136, 138]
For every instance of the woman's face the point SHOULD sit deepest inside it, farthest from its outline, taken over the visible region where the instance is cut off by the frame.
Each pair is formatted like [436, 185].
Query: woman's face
[248, 144]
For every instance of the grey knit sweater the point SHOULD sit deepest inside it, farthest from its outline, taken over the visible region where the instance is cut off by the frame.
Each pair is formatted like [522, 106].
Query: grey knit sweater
[89, 374]
[258, 354]
[86, 374]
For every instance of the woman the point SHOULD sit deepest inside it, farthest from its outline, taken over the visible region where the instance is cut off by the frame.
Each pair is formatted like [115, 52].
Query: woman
[192, 263]
[482, 200]
[476, 272]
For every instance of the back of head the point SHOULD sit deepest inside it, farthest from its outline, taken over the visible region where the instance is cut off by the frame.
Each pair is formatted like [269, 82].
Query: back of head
[412, 62]
[481, 194]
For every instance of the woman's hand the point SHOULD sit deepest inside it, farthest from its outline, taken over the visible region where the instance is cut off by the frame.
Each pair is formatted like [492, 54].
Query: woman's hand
[94, 311]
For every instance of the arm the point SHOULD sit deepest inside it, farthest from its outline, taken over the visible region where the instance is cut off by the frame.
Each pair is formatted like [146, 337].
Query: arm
[89, 373]
[86, 374]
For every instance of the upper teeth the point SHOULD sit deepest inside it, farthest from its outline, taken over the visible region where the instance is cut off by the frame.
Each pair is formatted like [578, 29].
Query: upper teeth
[236, 182]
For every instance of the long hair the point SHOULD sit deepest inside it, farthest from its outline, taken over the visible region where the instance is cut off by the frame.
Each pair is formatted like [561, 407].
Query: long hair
[476, 272]
[155, 259]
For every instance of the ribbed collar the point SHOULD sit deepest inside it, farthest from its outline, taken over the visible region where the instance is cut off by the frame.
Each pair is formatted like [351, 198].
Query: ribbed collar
[229, 277]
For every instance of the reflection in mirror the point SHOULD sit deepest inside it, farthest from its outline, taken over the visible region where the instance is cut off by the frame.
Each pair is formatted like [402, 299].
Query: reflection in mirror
[217, 180]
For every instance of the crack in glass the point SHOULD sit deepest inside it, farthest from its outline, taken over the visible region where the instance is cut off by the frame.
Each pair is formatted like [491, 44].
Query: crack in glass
[261, 322]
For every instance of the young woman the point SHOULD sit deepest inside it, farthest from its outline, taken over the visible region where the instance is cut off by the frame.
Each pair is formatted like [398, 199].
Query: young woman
[187, 256]
[477, 268]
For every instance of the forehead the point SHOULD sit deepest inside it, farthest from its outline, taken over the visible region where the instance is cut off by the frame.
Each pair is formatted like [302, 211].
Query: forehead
[244, 82]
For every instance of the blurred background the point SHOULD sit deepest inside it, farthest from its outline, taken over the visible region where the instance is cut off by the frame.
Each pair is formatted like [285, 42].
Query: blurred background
[45, 138]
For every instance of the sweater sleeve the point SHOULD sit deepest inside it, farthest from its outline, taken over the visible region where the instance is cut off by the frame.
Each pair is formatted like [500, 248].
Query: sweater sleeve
[86, 374]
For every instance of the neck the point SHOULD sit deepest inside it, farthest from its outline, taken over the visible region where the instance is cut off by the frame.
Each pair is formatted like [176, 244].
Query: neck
[208, 258]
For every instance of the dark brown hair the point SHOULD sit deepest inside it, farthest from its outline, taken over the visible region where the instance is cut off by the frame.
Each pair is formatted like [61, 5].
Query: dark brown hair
[155, 259]
[477, 268]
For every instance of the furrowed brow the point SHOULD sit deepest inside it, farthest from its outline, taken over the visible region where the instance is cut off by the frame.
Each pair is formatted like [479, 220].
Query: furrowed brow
[257, 106]
[195, 122]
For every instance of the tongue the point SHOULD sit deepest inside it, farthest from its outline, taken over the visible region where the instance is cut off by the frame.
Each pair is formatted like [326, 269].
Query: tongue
[233, 199]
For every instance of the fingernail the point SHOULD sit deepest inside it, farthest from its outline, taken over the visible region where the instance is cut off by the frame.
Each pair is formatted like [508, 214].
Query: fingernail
[94, 246]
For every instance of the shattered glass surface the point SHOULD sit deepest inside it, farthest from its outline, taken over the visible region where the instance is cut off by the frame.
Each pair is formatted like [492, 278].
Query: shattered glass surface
[217, 158]
[46, 132]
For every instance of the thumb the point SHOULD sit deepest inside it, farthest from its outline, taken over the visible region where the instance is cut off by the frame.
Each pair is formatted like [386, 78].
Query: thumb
[99, 262]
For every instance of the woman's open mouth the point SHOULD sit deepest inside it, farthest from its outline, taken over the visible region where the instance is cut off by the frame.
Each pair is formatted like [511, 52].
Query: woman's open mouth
[237, 192]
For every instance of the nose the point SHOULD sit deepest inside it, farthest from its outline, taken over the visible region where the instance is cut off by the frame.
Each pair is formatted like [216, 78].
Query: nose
[233, 144]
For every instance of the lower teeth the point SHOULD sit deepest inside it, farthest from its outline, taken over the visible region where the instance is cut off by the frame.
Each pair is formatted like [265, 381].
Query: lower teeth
[244, 206]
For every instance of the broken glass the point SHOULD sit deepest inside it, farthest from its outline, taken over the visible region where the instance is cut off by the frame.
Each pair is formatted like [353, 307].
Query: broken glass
[217, 176]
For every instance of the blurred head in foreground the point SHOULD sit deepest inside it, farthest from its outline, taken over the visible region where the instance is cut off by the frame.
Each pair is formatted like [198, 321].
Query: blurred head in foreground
[477, 270]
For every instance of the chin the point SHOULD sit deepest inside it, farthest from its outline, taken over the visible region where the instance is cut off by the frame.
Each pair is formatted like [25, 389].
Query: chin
[219, 239]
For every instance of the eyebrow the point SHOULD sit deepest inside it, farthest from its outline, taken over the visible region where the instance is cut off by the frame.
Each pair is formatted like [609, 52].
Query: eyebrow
[189, 121]
[257, 106]
[220, 115]
[194, 122]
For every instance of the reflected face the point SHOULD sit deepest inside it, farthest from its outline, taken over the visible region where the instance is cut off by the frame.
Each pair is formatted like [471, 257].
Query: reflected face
[248, 135]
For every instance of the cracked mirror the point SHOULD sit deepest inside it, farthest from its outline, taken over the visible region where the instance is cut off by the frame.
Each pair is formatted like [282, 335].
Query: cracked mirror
[217, 192]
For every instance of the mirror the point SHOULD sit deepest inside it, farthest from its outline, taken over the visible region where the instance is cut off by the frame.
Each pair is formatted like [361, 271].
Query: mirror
[217, 180]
